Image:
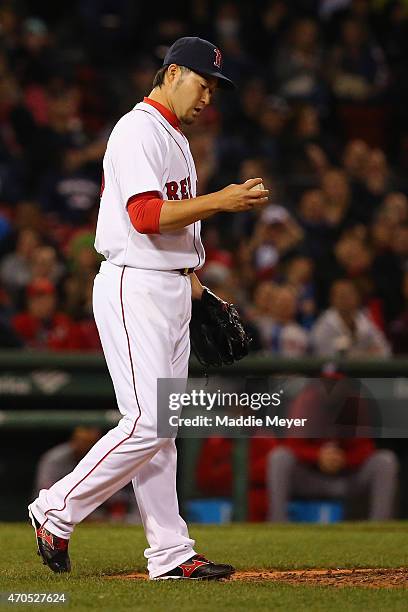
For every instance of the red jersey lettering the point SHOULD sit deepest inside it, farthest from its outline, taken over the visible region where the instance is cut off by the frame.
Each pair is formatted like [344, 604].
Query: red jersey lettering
[183, 189]
[171, 190]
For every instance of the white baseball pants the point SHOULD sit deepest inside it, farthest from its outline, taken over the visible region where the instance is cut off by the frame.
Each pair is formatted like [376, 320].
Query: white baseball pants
[143, 322]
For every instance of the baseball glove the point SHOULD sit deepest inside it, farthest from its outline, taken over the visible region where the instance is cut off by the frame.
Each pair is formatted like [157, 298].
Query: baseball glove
[216, 331]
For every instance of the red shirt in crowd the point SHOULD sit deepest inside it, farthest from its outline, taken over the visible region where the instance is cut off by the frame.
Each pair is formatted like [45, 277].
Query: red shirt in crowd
[57, 334]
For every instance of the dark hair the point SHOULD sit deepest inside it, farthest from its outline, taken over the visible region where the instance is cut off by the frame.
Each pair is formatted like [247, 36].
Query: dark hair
[159, 77]
[160, 74]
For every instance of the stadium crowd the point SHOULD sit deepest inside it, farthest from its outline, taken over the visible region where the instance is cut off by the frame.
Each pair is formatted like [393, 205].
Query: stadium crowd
[319, 114]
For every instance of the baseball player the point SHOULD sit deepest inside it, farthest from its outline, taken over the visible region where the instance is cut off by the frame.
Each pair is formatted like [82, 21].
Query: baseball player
[148, 230]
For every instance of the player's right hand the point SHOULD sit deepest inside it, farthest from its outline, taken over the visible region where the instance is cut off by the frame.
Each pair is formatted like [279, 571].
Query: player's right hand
[243, 196]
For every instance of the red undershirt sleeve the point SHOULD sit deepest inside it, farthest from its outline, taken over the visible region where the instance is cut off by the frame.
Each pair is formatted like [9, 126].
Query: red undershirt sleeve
[144, 212]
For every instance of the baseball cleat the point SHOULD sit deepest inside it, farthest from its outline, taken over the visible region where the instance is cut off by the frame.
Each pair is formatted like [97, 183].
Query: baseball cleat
[52, 549]
[198, 568]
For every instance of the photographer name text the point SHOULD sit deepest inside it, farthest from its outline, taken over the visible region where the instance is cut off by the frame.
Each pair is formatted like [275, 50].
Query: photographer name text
[239, 421]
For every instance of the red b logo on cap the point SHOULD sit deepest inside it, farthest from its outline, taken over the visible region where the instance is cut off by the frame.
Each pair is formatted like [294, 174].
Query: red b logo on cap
[218, 57]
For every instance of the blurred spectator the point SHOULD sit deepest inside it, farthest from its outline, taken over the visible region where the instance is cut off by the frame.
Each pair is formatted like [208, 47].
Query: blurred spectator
[351, 258]
[377, 176]
[297, 67]
[10, 23]
[332, 467]
[318, 233]
[261, 310]
[273, 23]
[41, 326]
[355, 159]
[395, 208]
[339, 469]
[276, 235]
[27, 214]
[338, 199]
[272, 118]
[15, 268]
[367, 188]
[287, 338]
[381, 233]
[309, 149]
[24, 215]
[354, 260]
[45, 144]
[34, 59]
[45, 264]
[344, 329]
[72, 190]
[275, 318]
[253, 95]
[299, 276]
[358, 69]
[387, 267]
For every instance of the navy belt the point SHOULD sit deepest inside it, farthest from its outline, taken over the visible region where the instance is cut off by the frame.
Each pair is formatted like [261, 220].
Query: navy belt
[185, 271]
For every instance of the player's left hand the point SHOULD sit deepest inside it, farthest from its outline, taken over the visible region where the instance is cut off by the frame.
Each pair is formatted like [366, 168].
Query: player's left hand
[216, 331]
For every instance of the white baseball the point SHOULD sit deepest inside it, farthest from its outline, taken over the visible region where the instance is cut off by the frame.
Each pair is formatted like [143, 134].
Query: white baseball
[260, 186]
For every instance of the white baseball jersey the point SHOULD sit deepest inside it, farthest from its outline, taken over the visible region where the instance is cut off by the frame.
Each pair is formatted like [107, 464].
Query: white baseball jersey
[142, 310]
[146, 153]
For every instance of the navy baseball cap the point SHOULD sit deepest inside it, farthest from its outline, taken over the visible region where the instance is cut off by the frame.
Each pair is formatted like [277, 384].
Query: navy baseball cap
[200, 56]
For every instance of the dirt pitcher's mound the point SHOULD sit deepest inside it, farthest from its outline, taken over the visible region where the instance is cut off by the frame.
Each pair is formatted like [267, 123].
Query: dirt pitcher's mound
[373, 578]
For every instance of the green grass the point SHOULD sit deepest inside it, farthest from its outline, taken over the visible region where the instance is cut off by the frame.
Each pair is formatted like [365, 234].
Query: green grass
[101, 550]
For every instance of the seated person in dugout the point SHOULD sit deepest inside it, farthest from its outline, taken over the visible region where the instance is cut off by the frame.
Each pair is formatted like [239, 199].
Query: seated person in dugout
[337, 469]
[340, 464]
[332, 467]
